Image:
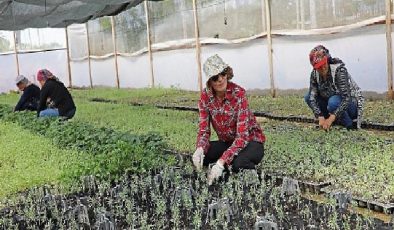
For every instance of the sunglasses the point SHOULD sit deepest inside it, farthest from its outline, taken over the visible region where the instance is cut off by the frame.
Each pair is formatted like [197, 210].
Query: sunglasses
[216, 77]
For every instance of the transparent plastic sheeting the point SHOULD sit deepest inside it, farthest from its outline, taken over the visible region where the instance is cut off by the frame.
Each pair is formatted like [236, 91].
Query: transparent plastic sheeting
[231, 19]
[176, 68]
[33, 40]
[248, 60]
[100, 36]
[134, 72]
[54, 61]
[131, 30]
[40, 39]
[315, 14]
[6, 41]
[77, 40]
[21, 14]
[30, 63]
[8, 73]
[171, 20]
[103, 72]
[366, 63]
[80, 74]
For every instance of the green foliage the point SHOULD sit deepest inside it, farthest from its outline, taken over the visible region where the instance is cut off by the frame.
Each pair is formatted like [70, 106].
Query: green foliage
[351, 160]
[105, 23]
[359, 162]
[178, 128]
[113, 152]
[380, 111]
[27, 160]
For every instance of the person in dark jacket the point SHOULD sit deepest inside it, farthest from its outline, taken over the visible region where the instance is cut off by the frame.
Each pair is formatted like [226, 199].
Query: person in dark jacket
[333, 94]
[55, 100]
[30, 96]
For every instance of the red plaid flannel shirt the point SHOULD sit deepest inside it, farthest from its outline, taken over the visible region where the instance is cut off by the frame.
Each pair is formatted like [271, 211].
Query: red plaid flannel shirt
[231, 119]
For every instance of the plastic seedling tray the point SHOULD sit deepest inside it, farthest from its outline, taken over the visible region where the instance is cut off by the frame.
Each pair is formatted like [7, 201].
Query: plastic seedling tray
[223, 205]
[265, 223]
[387, 208]
[290, 187]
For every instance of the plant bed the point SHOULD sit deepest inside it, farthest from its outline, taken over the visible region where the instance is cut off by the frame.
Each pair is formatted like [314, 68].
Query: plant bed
[305, 186]
[379, 111]
[292, 118]
[109, 152]
[373, 205]
[176, 198]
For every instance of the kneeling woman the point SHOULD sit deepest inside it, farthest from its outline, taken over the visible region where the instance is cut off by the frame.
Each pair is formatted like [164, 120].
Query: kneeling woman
[55, 100]
[224, 105]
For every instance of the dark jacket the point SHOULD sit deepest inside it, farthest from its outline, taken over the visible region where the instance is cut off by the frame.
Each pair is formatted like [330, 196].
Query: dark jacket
[58, 95]
[339, 82]
[29, 99]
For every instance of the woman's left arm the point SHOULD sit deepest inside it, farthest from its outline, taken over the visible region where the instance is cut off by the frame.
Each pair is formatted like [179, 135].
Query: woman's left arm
[242, 135]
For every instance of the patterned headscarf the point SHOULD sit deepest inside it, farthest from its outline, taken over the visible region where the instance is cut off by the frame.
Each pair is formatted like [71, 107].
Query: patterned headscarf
[44, 74]
[319, 56]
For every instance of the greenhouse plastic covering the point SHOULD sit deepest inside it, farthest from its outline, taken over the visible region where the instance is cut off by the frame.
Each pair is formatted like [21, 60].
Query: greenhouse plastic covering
[234, 29]
[21, 14]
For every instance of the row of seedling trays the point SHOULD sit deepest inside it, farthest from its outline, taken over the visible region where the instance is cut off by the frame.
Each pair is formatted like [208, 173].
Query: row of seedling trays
[291, 186]
[179, 198]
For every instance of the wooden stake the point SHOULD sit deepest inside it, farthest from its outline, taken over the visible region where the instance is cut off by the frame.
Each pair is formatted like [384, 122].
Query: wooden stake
[390, 93]
[16, 54]
[312, 8]
[298, 14]
[115, 51]
[198, 45]
[269, 38]
[90, 65]
[302, 12]
[152, 77]
[68, 60]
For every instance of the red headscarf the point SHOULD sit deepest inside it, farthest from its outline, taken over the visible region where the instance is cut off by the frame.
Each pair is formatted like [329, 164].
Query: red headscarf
[319, 56]
[43, 75]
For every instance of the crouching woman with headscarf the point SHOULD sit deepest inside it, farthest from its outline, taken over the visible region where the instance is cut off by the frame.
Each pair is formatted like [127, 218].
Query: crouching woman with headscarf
[55, 100]
[333, 94]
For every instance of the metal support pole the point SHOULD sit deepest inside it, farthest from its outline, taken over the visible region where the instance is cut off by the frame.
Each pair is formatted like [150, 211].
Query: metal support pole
[152, 77]
[198, 45]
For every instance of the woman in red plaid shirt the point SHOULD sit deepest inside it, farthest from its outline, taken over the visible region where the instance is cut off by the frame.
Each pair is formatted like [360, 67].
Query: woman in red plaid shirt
[224, 105]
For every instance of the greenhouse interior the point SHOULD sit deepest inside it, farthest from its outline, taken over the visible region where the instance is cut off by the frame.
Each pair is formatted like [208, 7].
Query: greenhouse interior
[196, 114]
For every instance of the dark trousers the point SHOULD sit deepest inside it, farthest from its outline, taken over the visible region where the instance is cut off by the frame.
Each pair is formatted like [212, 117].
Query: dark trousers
[248, 158]
[70, 114]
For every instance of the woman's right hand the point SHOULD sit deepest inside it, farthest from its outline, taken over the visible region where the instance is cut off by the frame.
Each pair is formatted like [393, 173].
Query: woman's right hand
[198, 158]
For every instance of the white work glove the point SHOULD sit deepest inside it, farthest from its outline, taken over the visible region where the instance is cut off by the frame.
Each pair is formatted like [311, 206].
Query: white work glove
[216, 172]
[198, 158]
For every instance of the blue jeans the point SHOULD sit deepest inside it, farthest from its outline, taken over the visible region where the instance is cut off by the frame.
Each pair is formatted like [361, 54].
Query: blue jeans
[330, 105]
[49, 113]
